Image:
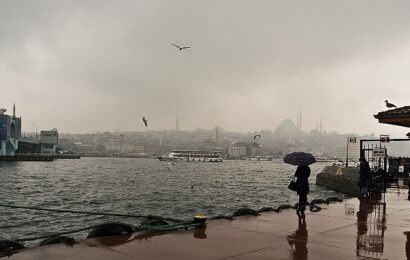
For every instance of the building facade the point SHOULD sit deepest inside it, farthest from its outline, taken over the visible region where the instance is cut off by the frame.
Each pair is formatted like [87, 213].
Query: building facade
[49, 141]
[237, 151]
[10, 132]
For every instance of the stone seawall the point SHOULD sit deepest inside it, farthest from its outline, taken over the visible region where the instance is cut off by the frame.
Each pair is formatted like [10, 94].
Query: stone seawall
[340, 179]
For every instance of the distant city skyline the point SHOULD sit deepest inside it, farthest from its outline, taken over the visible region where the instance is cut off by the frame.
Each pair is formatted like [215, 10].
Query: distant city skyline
[101, 66]
[297, 122]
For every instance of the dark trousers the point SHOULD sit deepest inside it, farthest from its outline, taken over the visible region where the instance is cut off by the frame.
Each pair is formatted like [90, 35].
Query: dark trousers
[302, 201]
[409, 193]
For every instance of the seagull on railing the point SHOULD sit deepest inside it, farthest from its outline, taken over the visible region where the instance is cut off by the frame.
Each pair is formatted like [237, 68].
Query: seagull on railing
[181, 48]
[389, 105]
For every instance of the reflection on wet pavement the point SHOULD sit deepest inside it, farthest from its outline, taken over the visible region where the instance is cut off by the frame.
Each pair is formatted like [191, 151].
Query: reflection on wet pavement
[371, 225]
[298, 240]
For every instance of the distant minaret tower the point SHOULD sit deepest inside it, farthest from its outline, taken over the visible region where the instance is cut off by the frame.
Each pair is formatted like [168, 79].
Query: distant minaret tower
[14, 110]
[177, 123]
[300, 120]
[217, 136]
[321, 129]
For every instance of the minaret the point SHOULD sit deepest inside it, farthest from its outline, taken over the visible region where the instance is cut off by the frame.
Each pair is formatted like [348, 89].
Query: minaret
[298, 121]
[177, 123]
[14, 110]
[217, 136]
[321, 129]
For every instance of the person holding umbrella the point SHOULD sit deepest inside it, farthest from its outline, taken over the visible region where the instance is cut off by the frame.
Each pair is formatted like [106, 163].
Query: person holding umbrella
[302, 174]
[302, 186]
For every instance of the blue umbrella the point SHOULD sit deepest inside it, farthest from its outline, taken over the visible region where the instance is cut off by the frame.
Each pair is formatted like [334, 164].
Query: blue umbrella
[299, 158]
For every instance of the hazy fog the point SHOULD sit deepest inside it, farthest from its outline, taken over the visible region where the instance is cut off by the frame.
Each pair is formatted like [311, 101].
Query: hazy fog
[102, 65]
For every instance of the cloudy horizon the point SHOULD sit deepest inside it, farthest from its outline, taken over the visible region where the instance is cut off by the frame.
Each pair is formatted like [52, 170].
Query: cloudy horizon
[100, 66]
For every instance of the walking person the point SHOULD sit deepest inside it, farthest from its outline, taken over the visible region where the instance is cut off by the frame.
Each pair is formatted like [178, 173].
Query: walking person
[302, 187]
[364, 174]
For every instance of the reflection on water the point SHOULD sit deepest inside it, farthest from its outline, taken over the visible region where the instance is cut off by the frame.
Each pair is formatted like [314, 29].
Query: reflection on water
[298, 240]
[371, 224]
[138, 186]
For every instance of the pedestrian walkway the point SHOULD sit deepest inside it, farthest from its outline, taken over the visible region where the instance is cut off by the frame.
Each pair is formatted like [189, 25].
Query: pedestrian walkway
[366, 229]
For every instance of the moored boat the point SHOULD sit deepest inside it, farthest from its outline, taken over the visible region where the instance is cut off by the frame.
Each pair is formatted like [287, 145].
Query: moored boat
[192, 156]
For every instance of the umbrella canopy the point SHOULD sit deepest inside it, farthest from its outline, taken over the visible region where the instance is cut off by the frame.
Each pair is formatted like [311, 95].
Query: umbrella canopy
[299, 158]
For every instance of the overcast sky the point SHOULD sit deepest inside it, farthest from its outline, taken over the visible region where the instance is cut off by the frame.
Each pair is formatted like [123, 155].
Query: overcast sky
[83, 66]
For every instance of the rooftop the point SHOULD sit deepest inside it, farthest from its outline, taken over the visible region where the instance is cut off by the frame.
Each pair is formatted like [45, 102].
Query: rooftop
[398, 116]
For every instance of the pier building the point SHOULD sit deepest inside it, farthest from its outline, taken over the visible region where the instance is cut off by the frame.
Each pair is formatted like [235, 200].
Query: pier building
[398, 116]
[237, 151]
[49, 141]
[10, 132]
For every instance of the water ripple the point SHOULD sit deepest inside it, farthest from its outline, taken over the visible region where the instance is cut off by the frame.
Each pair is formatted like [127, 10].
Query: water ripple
[137, 186]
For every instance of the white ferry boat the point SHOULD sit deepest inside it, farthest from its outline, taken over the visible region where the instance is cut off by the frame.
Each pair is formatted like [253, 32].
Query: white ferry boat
[261, 158]
[192, 156]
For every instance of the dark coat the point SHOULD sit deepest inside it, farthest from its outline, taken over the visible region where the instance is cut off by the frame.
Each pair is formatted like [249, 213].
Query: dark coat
[364, 173]
[302, 183]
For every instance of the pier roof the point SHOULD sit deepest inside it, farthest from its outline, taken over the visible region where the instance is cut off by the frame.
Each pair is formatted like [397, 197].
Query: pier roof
[398, 116]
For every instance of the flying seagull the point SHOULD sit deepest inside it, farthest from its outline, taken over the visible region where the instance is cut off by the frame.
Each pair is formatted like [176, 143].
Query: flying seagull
[145, 121]
[181, 48]
[389, 105]
[256, 136]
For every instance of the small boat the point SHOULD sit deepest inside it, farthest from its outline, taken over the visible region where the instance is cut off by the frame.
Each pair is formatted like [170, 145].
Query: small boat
[261, 158]
[170, 157]
[192, 156]
[323, 159]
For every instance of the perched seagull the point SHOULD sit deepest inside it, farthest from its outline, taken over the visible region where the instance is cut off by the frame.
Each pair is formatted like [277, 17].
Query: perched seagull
[389, 105]
[181, 48]
[145, 121]
[256, 136]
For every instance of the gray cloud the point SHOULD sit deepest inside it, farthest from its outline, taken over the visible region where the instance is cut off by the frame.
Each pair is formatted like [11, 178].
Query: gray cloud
[102, 65]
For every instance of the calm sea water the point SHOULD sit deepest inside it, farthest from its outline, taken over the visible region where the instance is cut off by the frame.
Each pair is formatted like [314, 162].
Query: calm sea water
[137, 186]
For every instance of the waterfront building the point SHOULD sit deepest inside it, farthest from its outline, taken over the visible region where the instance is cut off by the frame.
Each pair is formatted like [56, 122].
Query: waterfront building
[10, 132]
[237, 151]
[49, 141]
[152, 148]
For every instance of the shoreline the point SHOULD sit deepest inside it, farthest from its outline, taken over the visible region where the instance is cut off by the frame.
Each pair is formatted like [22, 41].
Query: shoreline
[339, 229]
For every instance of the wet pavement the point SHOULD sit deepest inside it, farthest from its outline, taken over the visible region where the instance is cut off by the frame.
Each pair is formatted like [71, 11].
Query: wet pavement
[366, 229]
